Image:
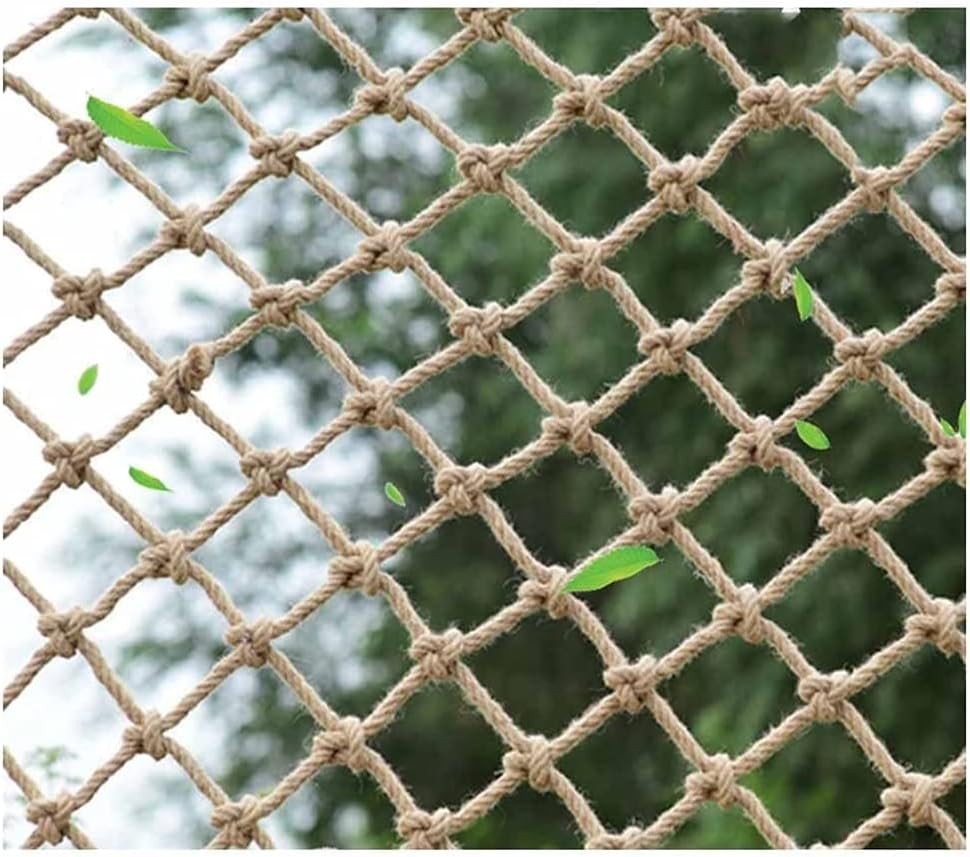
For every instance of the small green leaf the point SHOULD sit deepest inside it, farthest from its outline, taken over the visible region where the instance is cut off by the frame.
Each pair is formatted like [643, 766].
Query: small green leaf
[119, 123]
[948, 430]
[393, 494]
[147, 480]
[811, 435]
[87, 379]
[803, 295]
[617, 565]
[962, 420]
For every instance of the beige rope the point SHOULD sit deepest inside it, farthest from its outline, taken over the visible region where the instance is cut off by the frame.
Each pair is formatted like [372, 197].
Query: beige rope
[463, 489]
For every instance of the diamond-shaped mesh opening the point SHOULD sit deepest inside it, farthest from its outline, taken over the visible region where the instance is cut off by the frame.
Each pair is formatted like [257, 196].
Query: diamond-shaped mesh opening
[783, 520]
[464, 749]
[560, 531]
[826, 758]
[695, 442]
[739, 351]
[653, 103]
[572, 674]
[678, 267]
[584, 208]
[578, 342]
[711, 825]
[539, 821]
[733, 718]
[844, 579]
[648, 782]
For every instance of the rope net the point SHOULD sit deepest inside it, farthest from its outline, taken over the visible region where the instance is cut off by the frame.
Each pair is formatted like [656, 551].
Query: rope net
[530, 761]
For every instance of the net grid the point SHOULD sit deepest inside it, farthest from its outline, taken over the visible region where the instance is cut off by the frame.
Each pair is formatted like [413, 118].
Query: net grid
[463, 489]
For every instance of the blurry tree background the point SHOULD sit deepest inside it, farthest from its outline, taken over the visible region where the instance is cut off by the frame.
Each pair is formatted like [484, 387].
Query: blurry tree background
[546, 673]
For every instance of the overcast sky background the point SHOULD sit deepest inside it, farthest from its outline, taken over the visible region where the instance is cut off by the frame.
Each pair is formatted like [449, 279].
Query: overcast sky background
[83, 221]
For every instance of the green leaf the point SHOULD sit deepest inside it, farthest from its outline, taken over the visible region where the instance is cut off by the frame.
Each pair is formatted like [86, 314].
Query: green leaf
[948, 430]
[962, 420]
[147, 480]
[811, 435]
[87, 379]
[803, 295]
[119, 123]
[393, 494]
[617, 565]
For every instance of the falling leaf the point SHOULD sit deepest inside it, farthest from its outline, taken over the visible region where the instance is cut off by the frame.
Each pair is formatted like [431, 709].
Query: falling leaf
[147, 480]
[119, 123]
[616, 565]
[811, 435]
[803, 295]
[87, 379]
[393, 494]
[962, 420]
[948, 430]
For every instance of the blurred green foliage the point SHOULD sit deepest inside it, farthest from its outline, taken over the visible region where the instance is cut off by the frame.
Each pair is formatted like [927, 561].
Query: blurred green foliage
[545, 673]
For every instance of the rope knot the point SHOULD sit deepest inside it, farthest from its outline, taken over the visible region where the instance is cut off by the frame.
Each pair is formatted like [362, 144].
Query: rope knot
[81, 137]
[655, 514]
[425, 830]
[742, 616]
[824, 695]
[358, 568]
[277, 155]
[675, 184]
[715, 781]
[952, 285]
[374, 405]
[583, 101]
[534, 763]
[774, 103]
[63, 630]
[437, 655]
[81, 295]
[52, 817]
[478, 327]
[343, 744]
[388, 96]
[875, 185]
[768, 273]
[182, 376]
[667, 346]
[70, 460]
[462, 487]
[679, 26]
[384, 249]
[913, 797]
[237, 821]
[266, 469]
[583, 263]
[191, 78]
[546, 592]
[949, 461]
[757, 445]
[956, 114]
[167, 558]
[862, 354]
[939, 625]
[488, 24]
[278, 304]
[147, 736]
[186, 231]
[574, 426]
[850, 523]
[633, 684]
[252, 639]
[485, 166]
